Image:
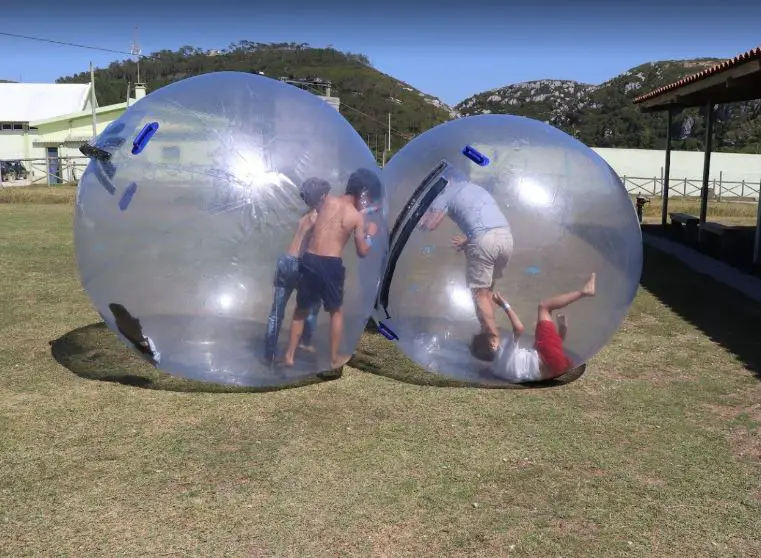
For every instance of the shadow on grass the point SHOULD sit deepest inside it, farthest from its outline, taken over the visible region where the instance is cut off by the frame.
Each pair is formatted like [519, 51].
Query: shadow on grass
[94, 352]
[377, 355]
[723, 314]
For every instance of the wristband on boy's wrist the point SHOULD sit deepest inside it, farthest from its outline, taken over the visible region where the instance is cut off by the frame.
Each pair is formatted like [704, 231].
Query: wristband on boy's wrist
[505, 306]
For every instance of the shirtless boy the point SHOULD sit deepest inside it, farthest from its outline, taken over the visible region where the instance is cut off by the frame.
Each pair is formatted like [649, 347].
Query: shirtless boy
[322, 270]
[313, 191]
[546, 359]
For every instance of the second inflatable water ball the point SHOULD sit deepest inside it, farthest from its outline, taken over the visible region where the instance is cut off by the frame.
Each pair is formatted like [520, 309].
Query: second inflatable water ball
[513, 205]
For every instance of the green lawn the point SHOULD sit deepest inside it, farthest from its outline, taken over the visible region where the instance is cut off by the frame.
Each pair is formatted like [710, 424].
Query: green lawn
[655, 451]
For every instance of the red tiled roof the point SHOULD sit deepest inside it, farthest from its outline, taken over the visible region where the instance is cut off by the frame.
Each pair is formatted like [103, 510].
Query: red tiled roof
[752, 54]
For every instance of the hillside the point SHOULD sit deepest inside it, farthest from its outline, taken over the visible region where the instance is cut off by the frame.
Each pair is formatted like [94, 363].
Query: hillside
[604, 115]
[367, 95]
[599, 115]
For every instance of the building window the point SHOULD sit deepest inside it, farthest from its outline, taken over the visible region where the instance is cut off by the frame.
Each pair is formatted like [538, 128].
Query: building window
[7, 126]
[18, 126]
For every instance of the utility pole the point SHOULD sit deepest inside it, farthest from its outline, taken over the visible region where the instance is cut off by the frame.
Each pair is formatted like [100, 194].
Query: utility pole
[136, 51]
[92, 101]
[389, 132]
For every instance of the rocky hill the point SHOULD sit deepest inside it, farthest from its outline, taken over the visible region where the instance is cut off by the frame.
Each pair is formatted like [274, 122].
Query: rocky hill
[367, 95]
[604, 116]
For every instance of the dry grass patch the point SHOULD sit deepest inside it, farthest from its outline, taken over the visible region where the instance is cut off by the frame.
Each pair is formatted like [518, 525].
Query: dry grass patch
[39, 195]
[726, 212]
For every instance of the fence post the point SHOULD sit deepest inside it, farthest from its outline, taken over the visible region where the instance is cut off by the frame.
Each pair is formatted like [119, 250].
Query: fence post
[661, 183]
[685, 187]
[742, 189]
[721, 184]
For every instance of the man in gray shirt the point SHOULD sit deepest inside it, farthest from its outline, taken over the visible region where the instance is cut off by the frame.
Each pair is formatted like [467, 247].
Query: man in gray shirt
[486, 240]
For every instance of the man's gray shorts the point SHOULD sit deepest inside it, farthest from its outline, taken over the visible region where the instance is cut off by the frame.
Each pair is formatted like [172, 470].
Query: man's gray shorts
[487, 257]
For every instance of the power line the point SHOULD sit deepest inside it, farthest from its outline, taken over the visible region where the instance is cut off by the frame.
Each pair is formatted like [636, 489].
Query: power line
[67, 44]
[135, 51]
[394, 130]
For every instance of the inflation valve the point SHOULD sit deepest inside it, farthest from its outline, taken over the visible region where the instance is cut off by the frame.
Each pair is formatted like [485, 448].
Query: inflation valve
[95, 152]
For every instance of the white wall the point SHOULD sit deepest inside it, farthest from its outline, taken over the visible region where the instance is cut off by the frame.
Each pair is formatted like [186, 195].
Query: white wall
[18, 144]
[12, 144]
[728, 170]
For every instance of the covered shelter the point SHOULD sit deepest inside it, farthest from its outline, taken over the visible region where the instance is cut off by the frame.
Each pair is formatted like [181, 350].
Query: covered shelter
[735, 80]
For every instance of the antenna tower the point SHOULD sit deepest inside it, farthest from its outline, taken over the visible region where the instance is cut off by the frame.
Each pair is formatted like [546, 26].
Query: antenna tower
[136, 51]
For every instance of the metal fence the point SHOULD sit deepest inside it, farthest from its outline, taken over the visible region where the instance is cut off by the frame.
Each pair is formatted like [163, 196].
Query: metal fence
[42, 171]
[61, 170]
[691, 187]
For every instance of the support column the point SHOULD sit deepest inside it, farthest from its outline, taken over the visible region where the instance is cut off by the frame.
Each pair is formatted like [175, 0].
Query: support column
[706, 162]
[666, 173]
[757, 239]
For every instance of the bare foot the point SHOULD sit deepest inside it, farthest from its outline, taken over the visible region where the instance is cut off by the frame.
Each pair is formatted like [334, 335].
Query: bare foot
[286, 360]
[562, 325]
[339, 361]
[589, 288]
[307, 348]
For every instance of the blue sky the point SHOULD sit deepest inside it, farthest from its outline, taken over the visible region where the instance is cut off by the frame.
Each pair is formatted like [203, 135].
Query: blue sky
[450, 50]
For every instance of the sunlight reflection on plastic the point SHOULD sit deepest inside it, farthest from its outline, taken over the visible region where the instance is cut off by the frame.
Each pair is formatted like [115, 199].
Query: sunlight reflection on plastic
[195, 260]
[531, 193]
[461, 298]
[559, 208]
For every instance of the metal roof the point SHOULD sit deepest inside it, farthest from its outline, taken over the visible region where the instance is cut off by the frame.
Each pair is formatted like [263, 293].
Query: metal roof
[752, 54]
[25, 102]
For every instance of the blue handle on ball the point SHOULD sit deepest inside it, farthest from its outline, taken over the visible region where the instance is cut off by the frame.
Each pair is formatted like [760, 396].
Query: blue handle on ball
[127, 196]
[144, 136]
[478, 158]
[386, 332]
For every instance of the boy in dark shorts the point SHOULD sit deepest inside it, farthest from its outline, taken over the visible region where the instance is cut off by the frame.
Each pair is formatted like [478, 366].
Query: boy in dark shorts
[322, 271]
[313, 191]
[546, 359]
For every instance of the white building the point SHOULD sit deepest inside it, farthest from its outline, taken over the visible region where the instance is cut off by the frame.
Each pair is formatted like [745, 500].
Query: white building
[44, 125]
[22, 103]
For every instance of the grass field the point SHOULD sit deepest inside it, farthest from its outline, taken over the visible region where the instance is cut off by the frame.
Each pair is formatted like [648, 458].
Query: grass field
[655, 451]
[725, 212]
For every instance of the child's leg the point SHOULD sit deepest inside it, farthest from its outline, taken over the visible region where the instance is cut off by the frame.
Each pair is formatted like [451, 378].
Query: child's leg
[307, 297]
[310, 324]
[548, 306]
[297, 328]
[336, 331]
[275, 320]
[562, 326]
